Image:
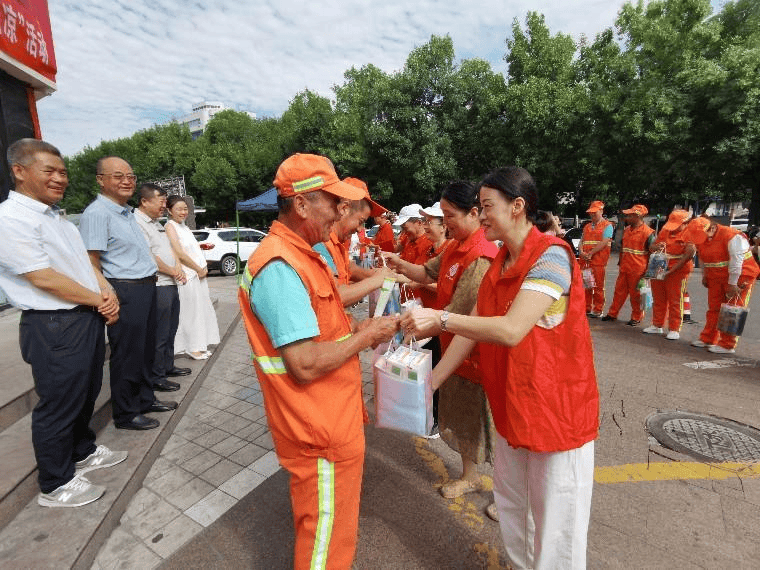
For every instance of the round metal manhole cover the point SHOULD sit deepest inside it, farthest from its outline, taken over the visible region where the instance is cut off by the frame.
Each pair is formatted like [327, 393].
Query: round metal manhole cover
[705, 438]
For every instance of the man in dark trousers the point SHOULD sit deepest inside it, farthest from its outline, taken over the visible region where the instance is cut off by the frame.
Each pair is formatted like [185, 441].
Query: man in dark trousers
[46, 272]
[152, 200]
[118, 248]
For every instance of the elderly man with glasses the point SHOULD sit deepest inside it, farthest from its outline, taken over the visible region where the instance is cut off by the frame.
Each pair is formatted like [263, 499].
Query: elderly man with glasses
[117, 247]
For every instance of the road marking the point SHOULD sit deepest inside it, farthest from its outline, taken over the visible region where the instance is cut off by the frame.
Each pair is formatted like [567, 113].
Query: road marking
[722, 363]
[637, 472]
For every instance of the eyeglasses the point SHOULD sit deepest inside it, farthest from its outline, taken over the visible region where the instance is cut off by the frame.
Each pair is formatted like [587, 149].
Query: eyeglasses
[119, 176]
[428, 222]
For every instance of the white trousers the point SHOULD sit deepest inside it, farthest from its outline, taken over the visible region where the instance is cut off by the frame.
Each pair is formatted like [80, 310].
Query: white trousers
[544, 504]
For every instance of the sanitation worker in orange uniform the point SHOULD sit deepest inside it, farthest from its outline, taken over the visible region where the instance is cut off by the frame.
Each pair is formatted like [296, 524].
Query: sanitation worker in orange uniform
[385, 239]
[729, 272]
[668, 293]
[595, 253]
[306, 358]
[637, 237]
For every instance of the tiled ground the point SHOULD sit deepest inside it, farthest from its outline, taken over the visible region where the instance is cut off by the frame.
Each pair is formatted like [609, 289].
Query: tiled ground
[219, 452]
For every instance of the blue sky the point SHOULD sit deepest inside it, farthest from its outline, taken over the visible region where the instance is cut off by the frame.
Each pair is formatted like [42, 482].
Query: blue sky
[124, 65]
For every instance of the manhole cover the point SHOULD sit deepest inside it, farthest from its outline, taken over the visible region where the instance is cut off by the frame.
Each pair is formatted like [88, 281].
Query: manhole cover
[705, 438]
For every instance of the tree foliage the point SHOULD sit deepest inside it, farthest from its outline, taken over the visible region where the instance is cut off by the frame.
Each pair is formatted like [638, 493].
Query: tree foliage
[661, 107]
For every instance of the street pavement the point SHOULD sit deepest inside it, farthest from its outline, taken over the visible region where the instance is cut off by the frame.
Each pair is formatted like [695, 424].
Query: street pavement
[216, 497]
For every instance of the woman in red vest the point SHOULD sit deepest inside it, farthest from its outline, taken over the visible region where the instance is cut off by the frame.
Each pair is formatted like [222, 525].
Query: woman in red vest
[538, 372]
[464, 419]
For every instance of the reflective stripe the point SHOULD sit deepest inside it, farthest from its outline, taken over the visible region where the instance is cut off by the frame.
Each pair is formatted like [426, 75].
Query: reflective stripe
[326, 514]
[247, 279]
[634, 251]
[716, 264]
[589, 242]
[271, 364]
[308, 184]
[341, 339]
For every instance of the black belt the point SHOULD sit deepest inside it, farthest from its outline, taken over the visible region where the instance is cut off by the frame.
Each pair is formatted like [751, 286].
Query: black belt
[149, 279]
[77, 309]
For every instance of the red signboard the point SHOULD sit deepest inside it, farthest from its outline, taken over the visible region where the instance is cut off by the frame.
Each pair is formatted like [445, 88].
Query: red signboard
[25, 35]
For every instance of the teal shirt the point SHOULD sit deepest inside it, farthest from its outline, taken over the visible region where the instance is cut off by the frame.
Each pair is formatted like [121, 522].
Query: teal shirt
[321, 249]
[281, 302]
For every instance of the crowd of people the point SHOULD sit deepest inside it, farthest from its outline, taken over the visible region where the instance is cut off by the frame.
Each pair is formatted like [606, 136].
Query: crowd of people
[118, 270]
[503, 299]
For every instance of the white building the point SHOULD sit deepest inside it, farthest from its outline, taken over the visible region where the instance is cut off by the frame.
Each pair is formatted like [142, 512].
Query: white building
[201, 115]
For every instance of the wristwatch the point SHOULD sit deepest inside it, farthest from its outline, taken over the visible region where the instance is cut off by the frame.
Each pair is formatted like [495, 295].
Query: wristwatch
[444, 319]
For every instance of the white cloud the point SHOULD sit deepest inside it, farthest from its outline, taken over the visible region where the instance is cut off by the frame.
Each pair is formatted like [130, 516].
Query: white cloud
[123, 66]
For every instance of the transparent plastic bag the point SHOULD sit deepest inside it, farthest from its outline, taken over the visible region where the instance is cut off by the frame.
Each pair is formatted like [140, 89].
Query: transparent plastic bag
[589, 281]
[657, 266]
[732, 318]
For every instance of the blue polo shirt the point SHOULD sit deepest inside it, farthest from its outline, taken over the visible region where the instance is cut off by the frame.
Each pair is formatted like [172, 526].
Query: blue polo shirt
[112, 230]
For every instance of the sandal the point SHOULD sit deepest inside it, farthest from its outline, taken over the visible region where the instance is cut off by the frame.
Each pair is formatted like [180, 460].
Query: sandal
[492, 512]
[457, 488]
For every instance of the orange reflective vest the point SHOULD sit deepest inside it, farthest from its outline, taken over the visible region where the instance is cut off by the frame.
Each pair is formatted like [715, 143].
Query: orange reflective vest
[675, 247]
[542, 392]
[323, 418]
[634, 255]
[592, 236]
[453, 263]
[339, 253]
[714, 256]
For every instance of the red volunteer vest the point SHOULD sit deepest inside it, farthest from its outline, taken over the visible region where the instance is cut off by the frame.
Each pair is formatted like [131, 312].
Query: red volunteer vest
[591, 238]
[324, 418]
[714, 256]
[634, 256]
[543, 392]
[429, 298]
[453, 263]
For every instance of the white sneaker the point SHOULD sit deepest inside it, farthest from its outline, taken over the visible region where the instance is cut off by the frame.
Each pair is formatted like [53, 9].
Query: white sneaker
[673, 335]
[652, 330]
[699, 344]
[720, 350]
[77, 492]
[101, 457]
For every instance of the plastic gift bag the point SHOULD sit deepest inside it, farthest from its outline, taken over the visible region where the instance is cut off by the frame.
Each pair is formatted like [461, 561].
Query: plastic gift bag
[589, 282]
[732, 318]
[658, 265]
[403, 389]
[645, 290]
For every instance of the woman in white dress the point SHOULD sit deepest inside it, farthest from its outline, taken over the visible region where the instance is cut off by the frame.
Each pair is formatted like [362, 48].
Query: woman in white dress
[197, 320]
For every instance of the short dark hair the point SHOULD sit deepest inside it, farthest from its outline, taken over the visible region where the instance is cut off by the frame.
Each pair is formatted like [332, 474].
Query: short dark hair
[23, 150]
[514, 182]
[173, 199]
[461, 194]
[544, 221]
[148, 190]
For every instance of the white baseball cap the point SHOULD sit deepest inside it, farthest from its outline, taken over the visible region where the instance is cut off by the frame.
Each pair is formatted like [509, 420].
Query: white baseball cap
[407, 213]
[433, 211]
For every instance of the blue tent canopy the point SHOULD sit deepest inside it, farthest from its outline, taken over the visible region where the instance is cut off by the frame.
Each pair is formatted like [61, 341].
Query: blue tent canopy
[265, 202]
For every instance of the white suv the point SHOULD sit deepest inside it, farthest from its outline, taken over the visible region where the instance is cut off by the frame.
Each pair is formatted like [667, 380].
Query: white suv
[220, 247]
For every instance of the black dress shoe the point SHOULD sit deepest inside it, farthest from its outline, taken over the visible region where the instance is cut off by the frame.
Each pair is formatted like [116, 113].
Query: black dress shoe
[139, 422]
[608, 318]
[633, 323]
[159, 406]
[179, 372]
[165, 385]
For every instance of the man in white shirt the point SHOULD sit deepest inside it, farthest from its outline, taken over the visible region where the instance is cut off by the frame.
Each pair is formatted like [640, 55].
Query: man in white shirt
[152, 199]
[46, 272]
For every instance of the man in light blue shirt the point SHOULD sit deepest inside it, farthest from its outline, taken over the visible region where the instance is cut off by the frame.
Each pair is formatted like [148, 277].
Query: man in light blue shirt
[117, 246]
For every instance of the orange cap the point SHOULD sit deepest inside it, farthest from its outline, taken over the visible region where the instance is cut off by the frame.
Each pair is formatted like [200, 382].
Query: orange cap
[376, 209]
[303, 173]
[596, 206]
[638, 209]
[696, 231]
[675, 219]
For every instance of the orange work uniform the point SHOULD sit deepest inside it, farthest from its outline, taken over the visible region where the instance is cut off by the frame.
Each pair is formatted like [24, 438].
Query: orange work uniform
[714, 255]
[668, 293]
[339, 253]
[633, 264]
[317, 428]
[592, 236]
[415, 250]
[384, 238]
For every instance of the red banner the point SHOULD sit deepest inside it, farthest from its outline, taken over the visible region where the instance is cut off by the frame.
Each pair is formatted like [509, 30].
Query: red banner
[25, 34]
